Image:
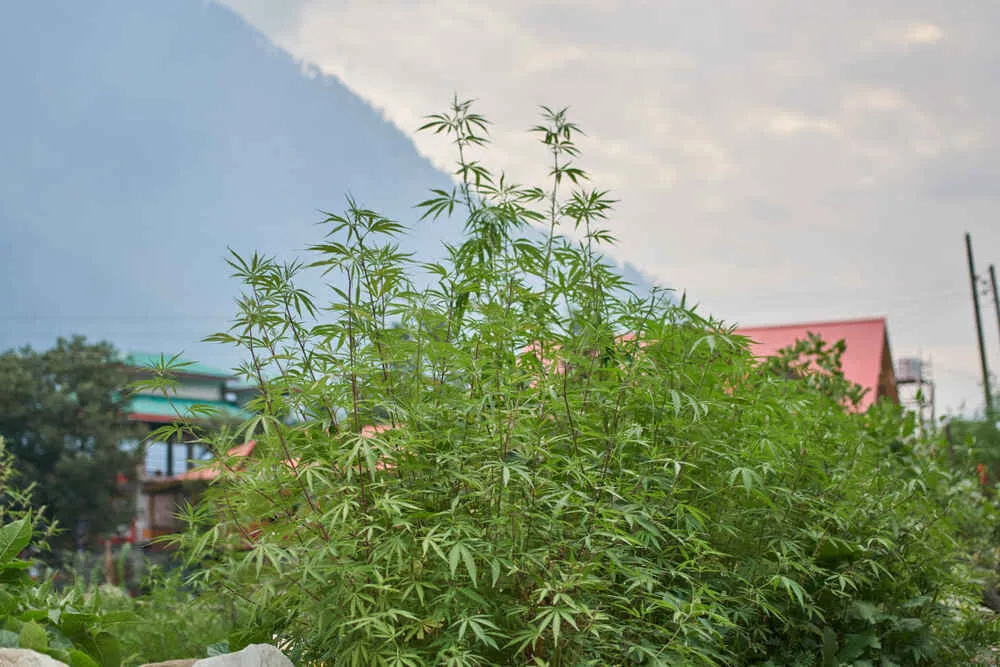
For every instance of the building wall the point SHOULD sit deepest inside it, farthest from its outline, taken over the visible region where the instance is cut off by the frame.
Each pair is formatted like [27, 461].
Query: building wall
[197, 389]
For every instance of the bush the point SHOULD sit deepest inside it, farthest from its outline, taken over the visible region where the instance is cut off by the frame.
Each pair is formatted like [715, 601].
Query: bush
[518, 461]
[67, 626]
[171, 621]
[975, 445]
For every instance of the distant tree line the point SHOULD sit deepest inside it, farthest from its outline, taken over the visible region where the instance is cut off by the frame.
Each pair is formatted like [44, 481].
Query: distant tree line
[62, 414]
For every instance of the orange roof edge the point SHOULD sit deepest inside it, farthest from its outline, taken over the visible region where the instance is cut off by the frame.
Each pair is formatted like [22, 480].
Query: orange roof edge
[819, 323]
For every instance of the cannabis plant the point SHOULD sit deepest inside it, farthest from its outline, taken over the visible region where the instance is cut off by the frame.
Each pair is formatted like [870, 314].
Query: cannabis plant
[507, 456]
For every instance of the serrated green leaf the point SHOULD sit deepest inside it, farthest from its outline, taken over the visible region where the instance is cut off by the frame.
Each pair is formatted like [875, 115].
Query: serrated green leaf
[454, 555]
[470, 563]
[495, 571]
[78, 658]
[109, 649]
[33, 636]
[856, 644]
[14, 537]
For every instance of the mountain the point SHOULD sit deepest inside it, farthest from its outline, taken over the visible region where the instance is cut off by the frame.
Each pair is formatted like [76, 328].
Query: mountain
[139, 138]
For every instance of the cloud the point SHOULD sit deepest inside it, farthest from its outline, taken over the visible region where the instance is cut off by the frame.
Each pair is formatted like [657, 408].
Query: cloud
[922, 33]
[784, 122]
[865, 100]
[783, 160]
[959, 175]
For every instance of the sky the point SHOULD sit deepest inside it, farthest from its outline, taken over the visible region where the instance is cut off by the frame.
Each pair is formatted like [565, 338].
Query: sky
[780, 160]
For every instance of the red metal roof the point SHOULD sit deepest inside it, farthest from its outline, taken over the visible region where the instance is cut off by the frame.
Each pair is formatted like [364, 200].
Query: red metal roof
[867, 360]
[211, 471]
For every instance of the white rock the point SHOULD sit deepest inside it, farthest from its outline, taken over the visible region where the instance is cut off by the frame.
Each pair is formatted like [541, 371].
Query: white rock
[22, 657]
[255, 655]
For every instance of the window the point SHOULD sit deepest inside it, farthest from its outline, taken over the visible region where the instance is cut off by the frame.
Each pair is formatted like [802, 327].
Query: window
[156, 458]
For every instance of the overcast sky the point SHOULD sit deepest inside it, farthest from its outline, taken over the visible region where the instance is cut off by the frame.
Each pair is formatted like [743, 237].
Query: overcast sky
[781, 160]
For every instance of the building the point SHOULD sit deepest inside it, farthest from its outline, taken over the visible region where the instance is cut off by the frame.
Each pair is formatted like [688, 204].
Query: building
[161, 496]
[197, 385]
[867, 359]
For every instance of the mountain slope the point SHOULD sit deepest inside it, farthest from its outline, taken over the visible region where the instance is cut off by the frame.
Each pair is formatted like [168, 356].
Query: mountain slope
[139, 138]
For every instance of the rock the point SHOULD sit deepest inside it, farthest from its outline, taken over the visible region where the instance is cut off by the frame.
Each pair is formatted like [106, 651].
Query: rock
[22, 657]
[255, 655]
[187, 662]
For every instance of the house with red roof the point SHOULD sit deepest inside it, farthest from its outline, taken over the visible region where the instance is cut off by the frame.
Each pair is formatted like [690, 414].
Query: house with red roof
[867, 359]
[195, 385]
[162, 496]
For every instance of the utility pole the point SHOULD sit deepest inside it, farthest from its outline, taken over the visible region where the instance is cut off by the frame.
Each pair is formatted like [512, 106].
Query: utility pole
[987, 392]
[996, 299]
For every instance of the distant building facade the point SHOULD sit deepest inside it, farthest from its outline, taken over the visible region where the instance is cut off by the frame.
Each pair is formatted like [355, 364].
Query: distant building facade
[197, 384]
[867, 359]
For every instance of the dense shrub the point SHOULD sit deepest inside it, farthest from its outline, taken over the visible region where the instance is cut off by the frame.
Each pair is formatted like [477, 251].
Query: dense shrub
[567, 473]
[75, 616]
[974, 445]
[67, 625]
[169, 621]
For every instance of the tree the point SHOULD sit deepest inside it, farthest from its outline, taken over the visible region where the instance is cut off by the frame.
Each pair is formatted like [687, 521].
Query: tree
[62, 415]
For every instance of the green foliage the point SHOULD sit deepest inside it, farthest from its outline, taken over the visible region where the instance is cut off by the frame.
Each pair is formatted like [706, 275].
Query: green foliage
[61, 412]
[563, 473]
[15, 506]
[975, 442]
[171, 621]
[33, 636]
[69, 627]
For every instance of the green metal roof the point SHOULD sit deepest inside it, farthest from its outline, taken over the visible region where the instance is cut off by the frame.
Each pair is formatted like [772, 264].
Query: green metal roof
[162, 408]
[149, 360]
